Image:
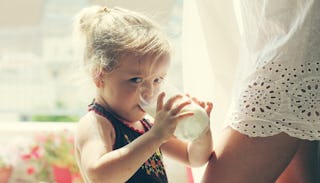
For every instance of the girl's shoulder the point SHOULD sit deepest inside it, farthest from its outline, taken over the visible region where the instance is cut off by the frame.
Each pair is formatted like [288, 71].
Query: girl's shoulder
[91, 125]
[91, 119]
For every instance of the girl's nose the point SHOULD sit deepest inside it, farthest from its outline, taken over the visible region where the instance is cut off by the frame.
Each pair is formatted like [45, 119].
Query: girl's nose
[146, 90]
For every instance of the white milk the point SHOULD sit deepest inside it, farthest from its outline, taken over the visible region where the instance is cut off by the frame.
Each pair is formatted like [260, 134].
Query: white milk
[190, 127]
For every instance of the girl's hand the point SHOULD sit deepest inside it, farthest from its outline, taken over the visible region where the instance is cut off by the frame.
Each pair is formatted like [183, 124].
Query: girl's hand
[207, 106]
[168, 115]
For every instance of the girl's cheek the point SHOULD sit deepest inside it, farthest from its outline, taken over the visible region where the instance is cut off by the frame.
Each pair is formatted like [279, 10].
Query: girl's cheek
[132, 90]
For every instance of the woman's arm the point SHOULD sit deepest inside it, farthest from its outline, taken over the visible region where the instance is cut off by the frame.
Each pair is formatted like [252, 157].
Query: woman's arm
[242, 159]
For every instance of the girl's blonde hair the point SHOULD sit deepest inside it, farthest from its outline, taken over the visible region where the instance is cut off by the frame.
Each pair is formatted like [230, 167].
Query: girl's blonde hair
[115, 32]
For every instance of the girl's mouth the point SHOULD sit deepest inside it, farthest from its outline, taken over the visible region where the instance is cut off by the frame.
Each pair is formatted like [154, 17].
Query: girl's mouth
[141, 108]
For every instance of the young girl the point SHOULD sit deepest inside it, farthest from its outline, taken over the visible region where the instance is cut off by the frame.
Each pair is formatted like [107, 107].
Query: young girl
[127, 56]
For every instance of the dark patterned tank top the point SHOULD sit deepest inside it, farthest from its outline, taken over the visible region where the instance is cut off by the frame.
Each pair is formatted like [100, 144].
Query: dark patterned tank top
[152, 170]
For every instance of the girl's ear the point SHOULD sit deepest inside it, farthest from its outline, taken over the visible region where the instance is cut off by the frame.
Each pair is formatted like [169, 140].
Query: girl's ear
[99, 79]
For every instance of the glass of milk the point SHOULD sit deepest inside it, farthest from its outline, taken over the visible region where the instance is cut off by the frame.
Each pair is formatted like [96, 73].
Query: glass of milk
[190, 127]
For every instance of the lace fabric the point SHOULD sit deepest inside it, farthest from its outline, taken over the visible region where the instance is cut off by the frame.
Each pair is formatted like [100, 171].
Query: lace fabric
[279, 90]
[288, 101]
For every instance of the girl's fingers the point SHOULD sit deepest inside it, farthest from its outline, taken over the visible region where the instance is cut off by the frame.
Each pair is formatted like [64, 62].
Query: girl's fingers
[184, 115]
[171, 101]
[178, 108]
[209, 108]
[202, 104]
[197, 101]
[160, 101]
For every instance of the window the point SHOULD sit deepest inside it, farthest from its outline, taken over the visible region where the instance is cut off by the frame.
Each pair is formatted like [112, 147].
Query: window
[37, 52]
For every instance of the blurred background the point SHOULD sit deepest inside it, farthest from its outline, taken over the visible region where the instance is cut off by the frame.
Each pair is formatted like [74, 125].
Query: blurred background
[38, 58]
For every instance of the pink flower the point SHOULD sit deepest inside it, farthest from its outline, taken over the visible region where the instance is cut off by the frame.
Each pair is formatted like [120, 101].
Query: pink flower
[71, 140]
[41, 138]
[30, 170]
[26, 156]
[76, 176]
[35, 152]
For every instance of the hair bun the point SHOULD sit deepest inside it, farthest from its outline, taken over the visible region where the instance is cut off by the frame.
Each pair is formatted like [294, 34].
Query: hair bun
[87, 18]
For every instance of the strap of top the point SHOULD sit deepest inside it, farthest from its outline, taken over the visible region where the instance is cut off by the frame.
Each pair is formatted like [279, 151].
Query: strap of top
[111, 117]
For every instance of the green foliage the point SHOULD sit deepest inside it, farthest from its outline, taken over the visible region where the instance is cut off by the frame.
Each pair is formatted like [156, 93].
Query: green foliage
[3, 163]
[54, 118]
[59, 150]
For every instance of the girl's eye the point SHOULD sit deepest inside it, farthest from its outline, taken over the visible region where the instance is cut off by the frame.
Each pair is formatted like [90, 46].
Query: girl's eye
[136, 80]
[158, 80]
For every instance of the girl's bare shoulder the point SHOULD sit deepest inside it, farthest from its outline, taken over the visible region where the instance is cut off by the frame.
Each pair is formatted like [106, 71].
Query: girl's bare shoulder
[93, 126]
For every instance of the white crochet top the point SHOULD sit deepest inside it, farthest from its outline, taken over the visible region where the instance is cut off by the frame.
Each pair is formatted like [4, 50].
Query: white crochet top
[279, 79]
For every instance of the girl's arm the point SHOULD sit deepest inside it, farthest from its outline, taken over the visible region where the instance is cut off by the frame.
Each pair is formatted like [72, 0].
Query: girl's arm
[195, 153]
[102, 164]
[200, 149]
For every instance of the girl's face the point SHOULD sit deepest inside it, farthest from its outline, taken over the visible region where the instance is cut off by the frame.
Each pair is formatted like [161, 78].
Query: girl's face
[132, 78]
